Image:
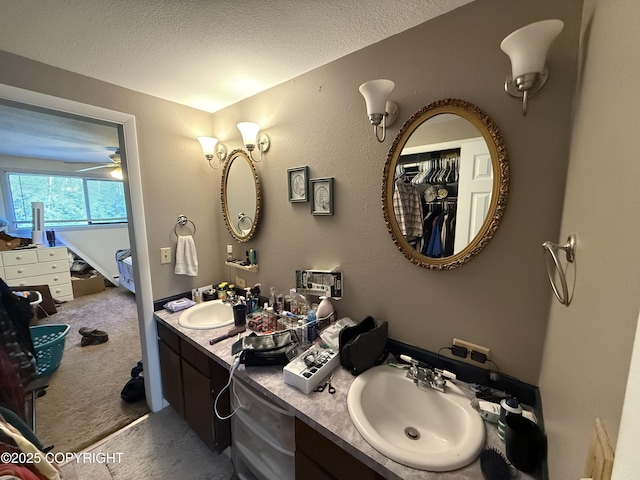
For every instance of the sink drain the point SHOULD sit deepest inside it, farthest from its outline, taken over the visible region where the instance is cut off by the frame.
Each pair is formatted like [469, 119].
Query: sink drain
[412, 433]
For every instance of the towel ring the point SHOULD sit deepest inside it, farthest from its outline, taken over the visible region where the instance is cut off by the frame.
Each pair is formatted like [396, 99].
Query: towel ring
[181, 222]
[241, 218]
[555, 269]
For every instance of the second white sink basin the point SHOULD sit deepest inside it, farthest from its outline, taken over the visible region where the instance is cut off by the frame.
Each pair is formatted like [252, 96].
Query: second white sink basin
[423, 429]
[214, 314]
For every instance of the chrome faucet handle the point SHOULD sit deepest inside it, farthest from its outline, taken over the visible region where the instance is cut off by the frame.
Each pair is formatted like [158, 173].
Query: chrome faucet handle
[440, 378]
[445, 373]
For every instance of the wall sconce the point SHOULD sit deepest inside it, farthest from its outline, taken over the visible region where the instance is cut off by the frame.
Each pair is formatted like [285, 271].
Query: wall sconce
[527, 48]
[557, 272]
[116, 173]
[379, 109]
[211, 148]
[249, 131]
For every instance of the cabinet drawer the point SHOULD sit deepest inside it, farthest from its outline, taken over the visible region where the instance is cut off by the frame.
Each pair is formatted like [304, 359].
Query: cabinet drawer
[34, 269]
[19, 257]
[276, 423]
[167, 336]
[268, 461]
[195, 357]
[50, 254]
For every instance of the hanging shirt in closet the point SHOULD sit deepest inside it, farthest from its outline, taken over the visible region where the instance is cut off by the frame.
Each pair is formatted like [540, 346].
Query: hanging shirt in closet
[407, 207]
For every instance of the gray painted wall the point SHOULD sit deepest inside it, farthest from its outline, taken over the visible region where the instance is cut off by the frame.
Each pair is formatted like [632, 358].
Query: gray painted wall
[502, 298]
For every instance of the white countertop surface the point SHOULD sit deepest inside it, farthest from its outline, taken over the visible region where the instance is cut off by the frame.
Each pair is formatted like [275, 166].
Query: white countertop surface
[324, 412]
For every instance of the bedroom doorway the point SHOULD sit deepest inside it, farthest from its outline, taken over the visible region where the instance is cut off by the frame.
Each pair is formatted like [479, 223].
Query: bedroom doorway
[133, 195]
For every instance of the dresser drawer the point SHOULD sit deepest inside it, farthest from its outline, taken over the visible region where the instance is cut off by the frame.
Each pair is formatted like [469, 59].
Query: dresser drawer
[19, 257]
[54, 279]
[51, 254]
[36, 269]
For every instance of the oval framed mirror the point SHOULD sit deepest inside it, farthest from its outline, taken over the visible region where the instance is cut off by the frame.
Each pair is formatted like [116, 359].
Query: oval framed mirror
[240, 196]
[445, 184]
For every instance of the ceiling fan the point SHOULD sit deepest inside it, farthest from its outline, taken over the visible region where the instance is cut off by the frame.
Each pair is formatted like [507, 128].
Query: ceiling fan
[115, 163]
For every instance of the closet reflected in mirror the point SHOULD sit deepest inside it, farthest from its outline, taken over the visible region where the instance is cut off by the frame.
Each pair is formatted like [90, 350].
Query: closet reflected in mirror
[445, 184]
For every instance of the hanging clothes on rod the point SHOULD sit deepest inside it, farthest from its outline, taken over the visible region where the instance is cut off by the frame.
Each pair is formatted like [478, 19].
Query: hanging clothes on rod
[407, 207]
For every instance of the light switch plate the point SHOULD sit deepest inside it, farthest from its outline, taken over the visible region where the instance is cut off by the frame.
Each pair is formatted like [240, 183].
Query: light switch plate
[165, 255]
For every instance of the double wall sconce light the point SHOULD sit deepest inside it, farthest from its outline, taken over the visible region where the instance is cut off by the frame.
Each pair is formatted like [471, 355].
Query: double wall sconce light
[249, 130]
[527, 48]
[379, 109]
[557, 272]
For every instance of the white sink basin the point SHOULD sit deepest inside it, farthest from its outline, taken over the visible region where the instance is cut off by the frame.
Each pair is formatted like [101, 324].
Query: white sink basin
[214, 314]
[388, 409]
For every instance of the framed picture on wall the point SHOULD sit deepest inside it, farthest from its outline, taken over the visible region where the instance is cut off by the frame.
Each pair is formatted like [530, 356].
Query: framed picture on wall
[298, 180]
[321, 196]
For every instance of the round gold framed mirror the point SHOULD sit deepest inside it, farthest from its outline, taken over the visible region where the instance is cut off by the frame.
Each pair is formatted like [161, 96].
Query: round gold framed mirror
[240, 196]
[445, 184]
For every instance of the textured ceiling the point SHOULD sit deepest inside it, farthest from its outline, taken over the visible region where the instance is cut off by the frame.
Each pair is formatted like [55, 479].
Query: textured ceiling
[206, 54]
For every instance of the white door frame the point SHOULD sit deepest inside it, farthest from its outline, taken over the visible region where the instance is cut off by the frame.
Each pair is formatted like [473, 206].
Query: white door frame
[137, 228]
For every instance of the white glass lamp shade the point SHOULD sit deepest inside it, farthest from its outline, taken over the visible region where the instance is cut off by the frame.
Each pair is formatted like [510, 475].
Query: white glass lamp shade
[527, 47]
[117, 173]
[249, 131]
[208, 145]
[375, 93]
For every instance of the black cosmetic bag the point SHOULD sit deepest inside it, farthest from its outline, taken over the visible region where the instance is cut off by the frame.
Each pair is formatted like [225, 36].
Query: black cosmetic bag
[363, 345]
[274, 349]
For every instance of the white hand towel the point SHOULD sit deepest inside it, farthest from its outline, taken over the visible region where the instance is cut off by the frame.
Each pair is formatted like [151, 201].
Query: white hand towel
[186, 257]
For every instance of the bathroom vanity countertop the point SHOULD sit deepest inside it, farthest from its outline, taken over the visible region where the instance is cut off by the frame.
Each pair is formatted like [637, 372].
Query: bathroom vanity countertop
[326, 413]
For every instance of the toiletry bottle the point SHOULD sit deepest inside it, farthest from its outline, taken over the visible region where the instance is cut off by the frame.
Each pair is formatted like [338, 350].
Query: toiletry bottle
[508, 406]
[270, 320]
[312, 332]
[272, 296]
[248, 300]
[280, 303]
[196, 295]
[302, 330]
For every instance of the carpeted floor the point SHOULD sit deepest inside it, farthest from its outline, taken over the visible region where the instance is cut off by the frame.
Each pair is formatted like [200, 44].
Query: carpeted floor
[82, 404]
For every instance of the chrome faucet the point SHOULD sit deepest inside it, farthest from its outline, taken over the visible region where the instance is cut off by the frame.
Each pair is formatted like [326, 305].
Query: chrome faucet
[426, 377]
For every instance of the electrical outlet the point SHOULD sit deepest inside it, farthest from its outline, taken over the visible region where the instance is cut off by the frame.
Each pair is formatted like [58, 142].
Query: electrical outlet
[471, 346]
[241, 282]
[165, 255]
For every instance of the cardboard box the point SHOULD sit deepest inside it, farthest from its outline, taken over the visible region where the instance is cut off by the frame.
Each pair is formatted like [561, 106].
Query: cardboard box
[87, 285]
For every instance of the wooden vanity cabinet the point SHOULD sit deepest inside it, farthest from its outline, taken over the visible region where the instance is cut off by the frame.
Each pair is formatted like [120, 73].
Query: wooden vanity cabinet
[190, 383]
[318, 458]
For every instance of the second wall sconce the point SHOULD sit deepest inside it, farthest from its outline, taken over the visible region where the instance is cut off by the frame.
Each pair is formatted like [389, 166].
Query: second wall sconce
[527, 48]
[211, 148]
[249, 131]
[379, 109]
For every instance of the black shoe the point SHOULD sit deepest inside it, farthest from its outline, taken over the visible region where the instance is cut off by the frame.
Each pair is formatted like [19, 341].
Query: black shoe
[137, 370]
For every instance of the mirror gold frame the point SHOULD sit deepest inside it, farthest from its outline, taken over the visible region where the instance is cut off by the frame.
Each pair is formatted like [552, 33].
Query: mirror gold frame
[500, 166]
[239, 155]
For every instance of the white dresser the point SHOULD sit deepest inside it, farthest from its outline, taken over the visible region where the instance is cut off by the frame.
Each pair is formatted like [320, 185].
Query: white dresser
[38, 266]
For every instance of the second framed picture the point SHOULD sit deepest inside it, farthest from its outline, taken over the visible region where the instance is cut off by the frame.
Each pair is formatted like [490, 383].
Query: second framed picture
[321, 196]
[298, 179]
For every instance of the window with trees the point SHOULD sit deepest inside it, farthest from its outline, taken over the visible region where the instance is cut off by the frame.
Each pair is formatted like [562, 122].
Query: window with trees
[68, 200]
